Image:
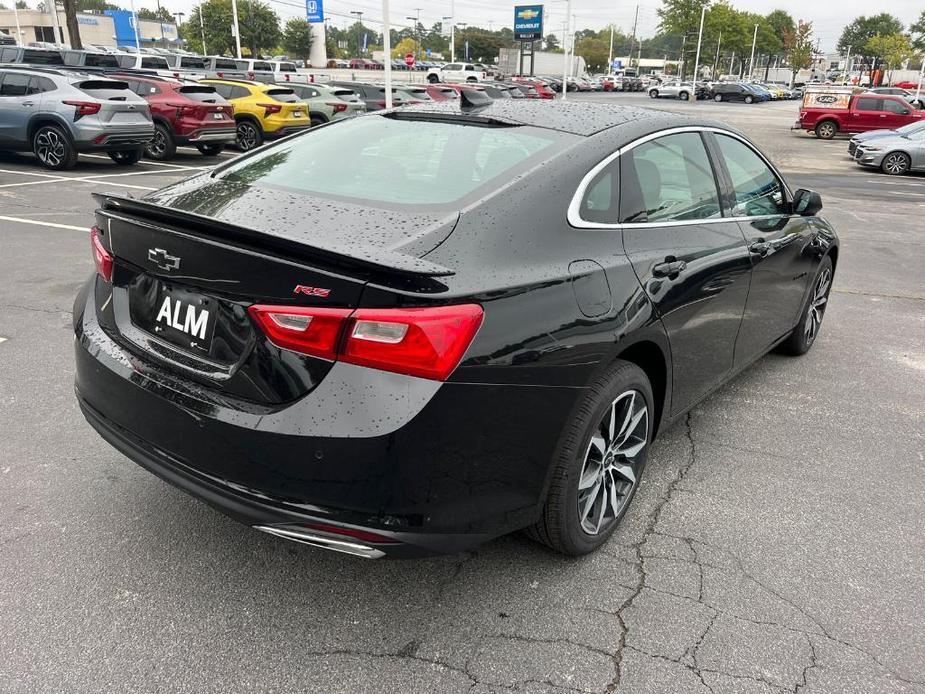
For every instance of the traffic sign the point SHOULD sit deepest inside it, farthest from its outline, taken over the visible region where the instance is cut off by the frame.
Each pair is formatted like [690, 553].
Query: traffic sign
[409, 59]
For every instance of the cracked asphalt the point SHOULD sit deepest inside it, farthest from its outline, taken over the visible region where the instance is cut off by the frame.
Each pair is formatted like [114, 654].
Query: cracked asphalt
[776, 544]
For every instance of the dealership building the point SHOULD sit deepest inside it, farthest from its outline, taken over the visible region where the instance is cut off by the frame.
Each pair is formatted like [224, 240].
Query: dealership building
[111, 28]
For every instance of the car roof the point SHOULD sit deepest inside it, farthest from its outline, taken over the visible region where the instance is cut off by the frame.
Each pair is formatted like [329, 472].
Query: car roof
[576, 117]
[232, 81]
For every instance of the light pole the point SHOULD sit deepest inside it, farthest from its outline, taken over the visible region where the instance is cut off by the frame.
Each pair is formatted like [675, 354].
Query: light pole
[18, 30]
[414, 33]
[202, 29]
[565, 47]
[178, 17]
[848, 66]
[359, 15]
[703, 12]
[452, 31]
[751, 60]
[134, 26]
[237, 31]
[387, 49]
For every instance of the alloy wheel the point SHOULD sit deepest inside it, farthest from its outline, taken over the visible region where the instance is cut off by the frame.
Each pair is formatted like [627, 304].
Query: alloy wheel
[817, 306]
[610, 470]
[247, 136]
[158, 145]
[50, 147]
[895, 163]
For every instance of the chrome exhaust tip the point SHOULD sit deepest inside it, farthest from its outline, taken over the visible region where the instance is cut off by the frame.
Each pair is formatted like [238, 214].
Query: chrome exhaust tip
[309, 537]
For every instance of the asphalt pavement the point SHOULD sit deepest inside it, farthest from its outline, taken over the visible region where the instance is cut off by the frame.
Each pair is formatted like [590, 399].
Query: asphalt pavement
[776, 544]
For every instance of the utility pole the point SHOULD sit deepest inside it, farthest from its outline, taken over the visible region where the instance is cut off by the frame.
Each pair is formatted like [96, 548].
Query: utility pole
[160, 21]
[681, 66]
[848, 66]
[716, 59]
[19, 31]
[732, 62]
[202, 29]
[610, 55]
[178, 18]
[237, 30]
[751, 60]
[703, 12]
[53, 4]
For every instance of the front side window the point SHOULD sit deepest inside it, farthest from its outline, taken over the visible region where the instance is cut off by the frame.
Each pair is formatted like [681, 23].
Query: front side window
[668, 179]
[896, 107]
[757, 190]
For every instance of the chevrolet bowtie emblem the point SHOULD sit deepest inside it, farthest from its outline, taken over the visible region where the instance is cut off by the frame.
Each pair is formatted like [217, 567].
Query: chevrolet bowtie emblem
[163, 260]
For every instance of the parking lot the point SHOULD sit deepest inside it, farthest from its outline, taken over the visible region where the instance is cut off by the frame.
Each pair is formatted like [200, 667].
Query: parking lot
[776, 544]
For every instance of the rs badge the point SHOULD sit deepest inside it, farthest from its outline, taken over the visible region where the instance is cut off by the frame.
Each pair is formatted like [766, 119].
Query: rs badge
[311, 291]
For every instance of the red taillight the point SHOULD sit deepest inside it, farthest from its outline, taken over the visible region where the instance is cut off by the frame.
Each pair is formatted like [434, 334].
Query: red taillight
[363, 535]
[187, 109]
[270, 109]
[424, 342]
[250, 74]
[314, 331]
[83, 108]
[101, 257]
[337, 107]
[220, 74]
[381, 104]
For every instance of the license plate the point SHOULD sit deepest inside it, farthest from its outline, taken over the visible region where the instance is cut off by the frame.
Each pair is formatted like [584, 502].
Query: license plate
[297, 114]
[218, 116]
[178, 316]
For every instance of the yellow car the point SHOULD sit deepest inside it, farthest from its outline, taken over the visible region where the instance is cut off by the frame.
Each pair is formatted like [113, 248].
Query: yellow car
[262, 111]
[775, 91]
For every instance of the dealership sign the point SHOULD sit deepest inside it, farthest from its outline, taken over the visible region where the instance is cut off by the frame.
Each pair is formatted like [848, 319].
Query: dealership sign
[528, 22]
[314, 11]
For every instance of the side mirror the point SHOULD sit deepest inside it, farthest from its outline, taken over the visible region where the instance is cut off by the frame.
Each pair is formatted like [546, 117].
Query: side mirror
[905, 112]
[806, 202]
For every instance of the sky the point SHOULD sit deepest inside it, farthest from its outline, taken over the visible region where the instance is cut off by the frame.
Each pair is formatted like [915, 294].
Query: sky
[828, 17]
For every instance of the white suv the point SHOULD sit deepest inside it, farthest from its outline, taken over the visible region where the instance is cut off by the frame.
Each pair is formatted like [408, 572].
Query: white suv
[456, 72]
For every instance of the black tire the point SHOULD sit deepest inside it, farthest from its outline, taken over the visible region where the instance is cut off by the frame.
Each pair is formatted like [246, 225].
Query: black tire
[684, 96]
[433, 79]
[653, 93]
[896, 164]
[249, 135]
[317, 119]
[472, 79]
[126, 157]
[560, 525]
[749, 99]
[805, 333]
[162, 146]
[210, 149]
[717, 98]
[826, 130]
[53, 147]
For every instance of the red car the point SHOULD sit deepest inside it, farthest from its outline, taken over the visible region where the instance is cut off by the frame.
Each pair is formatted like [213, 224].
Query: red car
[542, 89]
[828, 112]
[184, 113]
[442, 92]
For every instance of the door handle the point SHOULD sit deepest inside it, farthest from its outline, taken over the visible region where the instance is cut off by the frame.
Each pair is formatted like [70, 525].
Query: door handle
[669, 268]
[28, 103]
[759, 248]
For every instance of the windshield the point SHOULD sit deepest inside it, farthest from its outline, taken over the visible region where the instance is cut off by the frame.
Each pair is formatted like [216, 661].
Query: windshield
[391, 160]
[911, 128]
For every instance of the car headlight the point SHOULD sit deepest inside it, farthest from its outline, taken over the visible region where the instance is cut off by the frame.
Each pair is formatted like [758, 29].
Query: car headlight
[871, 149]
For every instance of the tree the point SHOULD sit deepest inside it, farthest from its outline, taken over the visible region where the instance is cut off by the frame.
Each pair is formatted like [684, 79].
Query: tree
[21, 5]
[918, 32]
[70, 20]
[780, 22]
[892, 50]
[161, 15]
[259, 27]
[594, 50]
[798, 47]
[406, 45]
[863, 29]
[682, 18]
[552, 43]
[297, 38]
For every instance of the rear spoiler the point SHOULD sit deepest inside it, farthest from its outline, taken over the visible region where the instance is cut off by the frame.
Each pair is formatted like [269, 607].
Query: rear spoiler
[375, 261]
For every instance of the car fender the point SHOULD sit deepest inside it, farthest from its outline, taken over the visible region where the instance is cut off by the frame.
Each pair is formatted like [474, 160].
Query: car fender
[39, 119]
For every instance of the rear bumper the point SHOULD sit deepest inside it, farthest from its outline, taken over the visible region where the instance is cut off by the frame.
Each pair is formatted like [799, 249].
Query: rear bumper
[114, 141]
[435, 467]
[208, 135]
[286, 130]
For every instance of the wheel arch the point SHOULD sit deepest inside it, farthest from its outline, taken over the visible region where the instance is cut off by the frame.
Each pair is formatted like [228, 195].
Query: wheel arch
[40, 119]
[651, 357]
[238, 117]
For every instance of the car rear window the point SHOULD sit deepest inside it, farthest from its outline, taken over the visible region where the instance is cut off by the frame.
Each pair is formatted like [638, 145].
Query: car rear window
[287, 67]
[35, 57]
[397, 160]
[262, 65]
[225, 64]
[287, 96]
[199, 93]
[104, 89]
[100, 60]
[154, 63]
[345, 94]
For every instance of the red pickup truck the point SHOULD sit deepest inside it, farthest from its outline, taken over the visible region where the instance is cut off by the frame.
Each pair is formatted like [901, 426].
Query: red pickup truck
[830, 113]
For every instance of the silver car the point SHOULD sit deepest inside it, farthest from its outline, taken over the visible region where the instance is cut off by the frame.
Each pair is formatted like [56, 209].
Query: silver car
[57, 113]
[895, 155]
[860, 138]
[672, 90]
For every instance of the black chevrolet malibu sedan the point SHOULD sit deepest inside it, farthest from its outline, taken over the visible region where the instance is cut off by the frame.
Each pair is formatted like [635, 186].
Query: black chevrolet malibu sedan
[416, 330]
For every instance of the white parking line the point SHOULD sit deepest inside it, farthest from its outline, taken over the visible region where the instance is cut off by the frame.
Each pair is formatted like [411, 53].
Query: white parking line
[905, 192]
[152, 163]
[894, 183]
[75, 180]
[38, 223]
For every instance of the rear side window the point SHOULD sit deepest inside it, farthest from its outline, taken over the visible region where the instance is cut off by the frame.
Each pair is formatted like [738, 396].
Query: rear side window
[757, 190]
[599, 203]
[38, 85]
[14, 84]
[868, 104]
[668, 179]
[42, 57]
[239, 92]
[154, 63]
[424, 162]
